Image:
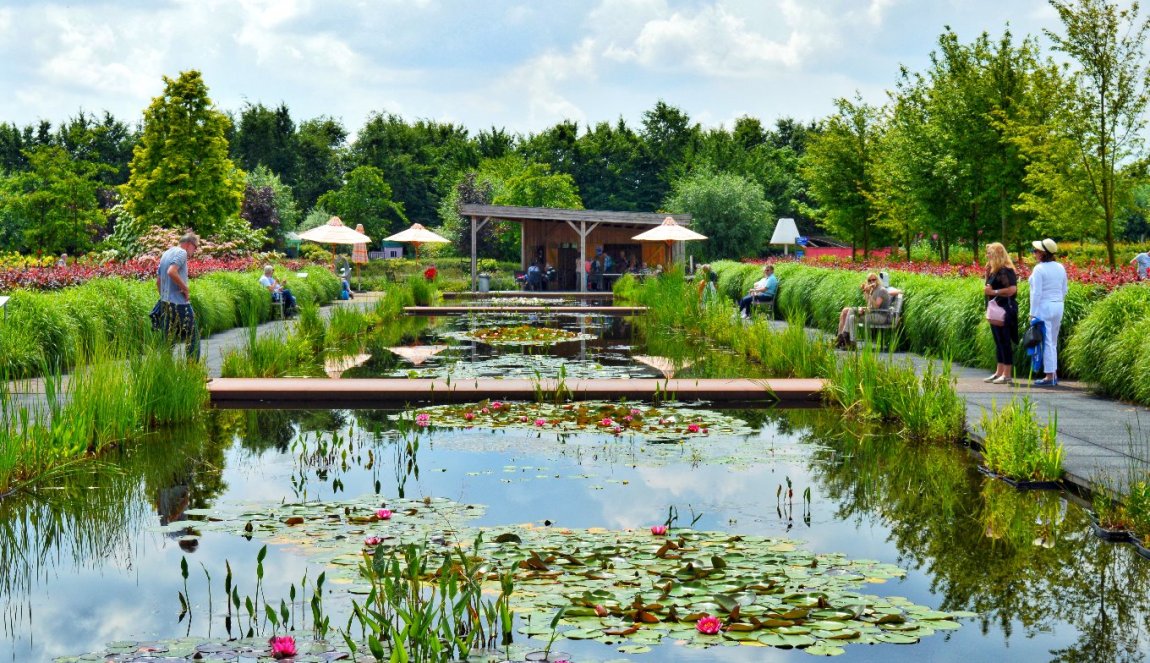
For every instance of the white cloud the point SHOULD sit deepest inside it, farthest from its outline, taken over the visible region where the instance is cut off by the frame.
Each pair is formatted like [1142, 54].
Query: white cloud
[712, 41]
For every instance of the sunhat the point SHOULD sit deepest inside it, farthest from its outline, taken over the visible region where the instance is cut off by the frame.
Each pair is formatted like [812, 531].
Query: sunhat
[1048, 245]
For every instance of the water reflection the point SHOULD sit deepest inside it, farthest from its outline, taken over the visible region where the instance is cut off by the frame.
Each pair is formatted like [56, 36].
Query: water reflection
[90, 520]
[1018, 558]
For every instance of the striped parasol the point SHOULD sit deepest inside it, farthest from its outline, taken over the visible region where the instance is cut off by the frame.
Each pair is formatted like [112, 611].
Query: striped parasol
[359, 251]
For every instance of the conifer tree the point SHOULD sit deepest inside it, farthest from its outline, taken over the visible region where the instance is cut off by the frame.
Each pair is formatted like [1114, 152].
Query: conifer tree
[181, 176]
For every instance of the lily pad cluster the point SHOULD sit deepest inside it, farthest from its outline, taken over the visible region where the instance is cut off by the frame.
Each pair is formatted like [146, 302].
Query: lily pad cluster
[203, 649]
[630, 589]
[524, 335]
[613, 418]
[633, 589]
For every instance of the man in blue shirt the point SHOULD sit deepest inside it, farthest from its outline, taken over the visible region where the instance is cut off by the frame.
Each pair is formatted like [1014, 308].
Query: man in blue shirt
[763, 291]
[177, 319]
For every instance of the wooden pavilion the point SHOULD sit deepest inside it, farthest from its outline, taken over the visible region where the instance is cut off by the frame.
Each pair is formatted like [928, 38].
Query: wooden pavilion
[567, 238]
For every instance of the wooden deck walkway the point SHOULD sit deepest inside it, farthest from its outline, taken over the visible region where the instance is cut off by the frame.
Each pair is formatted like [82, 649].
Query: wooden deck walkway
[464, 310]
[366, 393]
[529, 294]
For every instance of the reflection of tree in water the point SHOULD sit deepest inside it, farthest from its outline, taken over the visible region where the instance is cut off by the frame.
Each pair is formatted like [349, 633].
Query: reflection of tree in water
[1006, 554]
[90, 516]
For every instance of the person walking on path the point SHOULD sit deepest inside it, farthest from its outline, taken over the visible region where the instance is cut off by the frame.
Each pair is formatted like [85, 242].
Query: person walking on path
[1002, 309]
[1048, 288]
[1143, 262]
[177, 318]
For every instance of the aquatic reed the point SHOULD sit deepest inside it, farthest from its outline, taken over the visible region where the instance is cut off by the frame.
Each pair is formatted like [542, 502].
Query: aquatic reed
[1016, 446]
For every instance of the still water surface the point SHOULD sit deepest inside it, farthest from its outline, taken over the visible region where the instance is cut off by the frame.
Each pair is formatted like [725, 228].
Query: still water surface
[89, 561]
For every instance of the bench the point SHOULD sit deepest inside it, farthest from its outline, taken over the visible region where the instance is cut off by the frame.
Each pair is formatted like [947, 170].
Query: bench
[770, 306]
[886, 321]
[277, 308]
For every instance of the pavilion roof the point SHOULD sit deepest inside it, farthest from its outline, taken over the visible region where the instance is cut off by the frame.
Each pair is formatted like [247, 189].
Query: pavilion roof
[506, 212]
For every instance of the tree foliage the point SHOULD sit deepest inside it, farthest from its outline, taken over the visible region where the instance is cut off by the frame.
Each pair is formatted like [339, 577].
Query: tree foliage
[729, 209]
[366, 198]
[1113, 88]
[181, 176]
[53, 207]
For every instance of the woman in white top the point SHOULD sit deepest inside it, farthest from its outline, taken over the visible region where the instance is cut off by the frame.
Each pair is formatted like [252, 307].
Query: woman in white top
[1048, 287]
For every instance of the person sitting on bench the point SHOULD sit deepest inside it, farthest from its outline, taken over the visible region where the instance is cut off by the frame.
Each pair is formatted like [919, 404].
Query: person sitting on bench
[763, 291]
[278, 290]
[877, 299]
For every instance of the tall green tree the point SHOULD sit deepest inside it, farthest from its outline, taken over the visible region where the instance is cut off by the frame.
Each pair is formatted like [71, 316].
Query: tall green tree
[729, 209]
[366, 198]
[536, 186]
[1108, 43]
[839, 169]
[320, 145]
[181, 176]
[53, 204]
[267, 137]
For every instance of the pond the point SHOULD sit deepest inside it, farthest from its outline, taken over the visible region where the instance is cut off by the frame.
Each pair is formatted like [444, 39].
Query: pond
[136, 552]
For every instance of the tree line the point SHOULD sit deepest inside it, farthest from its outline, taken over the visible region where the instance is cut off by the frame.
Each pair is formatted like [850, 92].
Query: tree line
[994, 140]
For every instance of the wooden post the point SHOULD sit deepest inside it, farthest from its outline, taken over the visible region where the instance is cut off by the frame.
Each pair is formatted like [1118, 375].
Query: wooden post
[474, 260]
[582, 231]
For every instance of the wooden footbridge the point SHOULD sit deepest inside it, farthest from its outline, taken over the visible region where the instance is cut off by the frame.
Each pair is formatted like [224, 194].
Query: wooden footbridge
[368, 393]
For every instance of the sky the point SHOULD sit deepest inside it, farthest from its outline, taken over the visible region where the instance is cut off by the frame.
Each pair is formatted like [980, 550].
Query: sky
[522, 66]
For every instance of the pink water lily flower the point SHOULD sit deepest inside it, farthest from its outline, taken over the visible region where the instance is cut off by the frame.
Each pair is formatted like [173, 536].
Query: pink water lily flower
[372, 541]
[709, 625]
[601, 610]
[282, 646]
[628, 418]
[383, 514]
[659, 530]
[423, 419]
[692, 428]
[606, 421]
[468, 415]
[523, 418]
[485, 411]
[540, 422]
[496, 405]
[636, 412]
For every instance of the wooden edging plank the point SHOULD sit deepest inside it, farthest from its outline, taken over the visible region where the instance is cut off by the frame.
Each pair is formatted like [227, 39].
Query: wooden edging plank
[464, 310]
[296, 393]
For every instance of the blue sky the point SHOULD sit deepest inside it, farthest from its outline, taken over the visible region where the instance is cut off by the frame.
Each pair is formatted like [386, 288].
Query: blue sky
[519, 65]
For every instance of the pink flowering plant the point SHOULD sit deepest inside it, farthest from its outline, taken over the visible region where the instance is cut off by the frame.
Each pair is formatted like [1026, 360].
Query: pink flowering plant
[282, 646]
[708, 625]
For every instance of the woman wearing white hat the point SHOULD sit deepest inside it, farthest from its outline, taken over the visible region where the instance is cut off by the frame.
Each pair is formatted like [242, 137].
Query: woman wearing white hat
[1048, 287]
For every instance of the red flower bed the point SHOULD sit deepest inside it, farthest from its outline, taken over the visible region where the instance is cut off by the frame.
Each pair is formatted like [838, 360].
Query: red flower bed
[54, 278]
[1093, 273]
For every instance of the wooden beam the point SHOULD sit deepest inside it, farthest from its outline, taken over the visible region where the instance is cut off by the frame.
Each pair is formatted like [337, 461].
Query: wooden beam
[576, 309]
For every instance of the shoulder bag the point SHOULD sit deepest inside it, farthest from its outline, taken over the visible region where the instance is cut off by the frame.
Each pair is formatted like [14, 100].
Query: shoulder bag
[995, 314]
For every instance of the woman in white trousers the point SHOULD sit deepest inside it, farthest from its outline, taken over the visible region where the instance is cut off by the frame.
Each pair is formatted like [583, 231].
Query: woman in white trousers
[1048, 287]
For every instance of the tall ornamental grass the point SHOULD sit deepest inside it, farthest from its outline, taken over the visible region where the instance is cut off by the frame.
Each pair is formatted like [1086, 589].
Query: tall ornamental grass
[867, 385]
[1109, 346]
[46, 331]
[942, 316]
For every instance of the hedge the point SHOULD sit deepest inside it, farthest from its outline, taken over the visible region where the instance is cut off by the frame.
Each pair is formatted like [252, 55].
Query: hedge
[54, 330]
[942, 316]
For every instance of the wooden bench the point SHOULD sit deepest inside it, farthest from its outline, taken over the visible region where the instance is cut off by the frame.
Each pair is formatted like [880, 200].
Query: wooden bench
[769, 305]
[278, 309]
[886, 321]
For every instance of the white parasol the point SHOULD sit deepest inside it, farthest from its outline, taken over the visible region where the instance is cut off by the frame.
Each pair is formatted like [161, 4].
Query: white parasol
[417, 235]
[334, 232]
[668, 231]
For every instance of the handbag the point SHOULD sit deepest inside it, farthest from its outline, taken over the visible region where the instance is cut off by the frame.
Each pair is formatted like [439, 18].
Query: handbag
[1033, 336]
[157, 316]
[995, 314]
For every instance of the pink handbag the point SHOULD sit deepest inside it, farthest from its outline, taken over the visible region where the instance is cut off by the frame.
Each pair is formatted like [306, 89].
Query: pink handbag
[995, 314]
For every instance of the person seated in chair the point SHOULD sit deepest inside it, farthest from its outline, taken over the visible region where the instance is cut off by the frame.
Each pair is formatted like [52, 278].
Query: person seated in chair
[278, 290]
[534, 277]
[877, 299]
[763, 290]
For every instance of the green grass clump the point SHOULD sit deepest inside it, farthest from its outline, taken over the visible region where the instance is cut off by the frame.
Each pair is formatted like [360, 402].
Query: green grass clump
[1016, 446]
[1105, 349]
